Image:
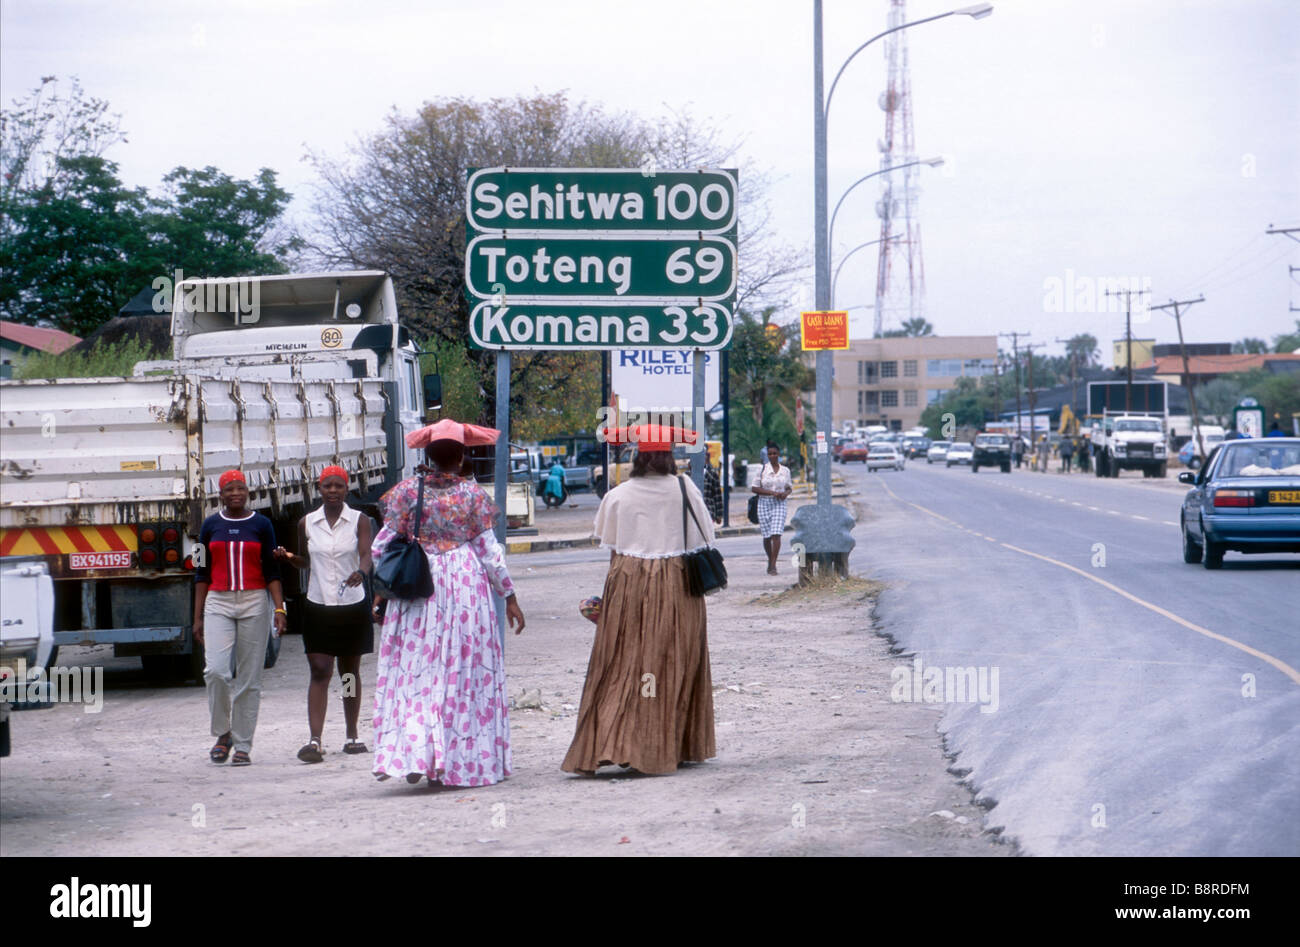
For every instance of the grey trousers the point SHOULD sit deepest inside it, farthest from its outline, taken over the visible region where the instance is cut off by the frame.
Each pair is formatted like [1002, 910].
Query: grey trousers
[235, 628]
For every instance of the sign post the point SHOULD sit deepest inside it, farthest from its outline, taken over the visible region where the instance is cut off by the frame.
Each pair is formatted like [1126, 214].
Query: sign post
[581, 259]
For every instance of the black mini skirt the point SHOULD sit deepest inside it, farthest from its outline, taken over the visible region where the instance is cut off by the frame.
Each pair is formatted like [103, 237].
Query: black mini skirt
[338, 630]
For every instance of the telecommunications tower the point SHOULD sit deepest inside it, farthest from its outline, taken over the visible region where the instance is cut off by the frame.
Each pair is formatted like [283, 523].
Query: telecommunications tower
[900, 273]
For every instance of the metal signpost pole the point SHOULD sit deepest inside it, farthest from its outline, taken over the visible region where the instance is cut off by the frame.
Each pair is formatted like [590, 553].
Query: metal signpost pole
[822, 251]
[501, 474]
[697, 415]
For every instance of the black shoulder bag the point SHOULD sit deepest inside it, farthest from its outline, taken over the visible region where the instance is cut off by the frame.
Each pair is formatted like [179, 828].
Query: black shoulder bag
[403, 569]
[705, 572]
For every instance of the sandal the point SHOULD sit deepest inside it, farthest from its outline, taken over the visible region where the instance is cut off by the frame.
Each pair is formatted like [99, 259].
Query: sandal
[414, 778]
[311, 751]
[220, 750]
[354, 746]
[240, 759]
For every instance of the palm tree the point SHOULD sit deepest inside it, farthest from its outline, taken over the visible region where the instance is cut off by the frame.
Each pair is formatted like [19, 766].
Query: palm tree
[1082, 350]
[911, 328]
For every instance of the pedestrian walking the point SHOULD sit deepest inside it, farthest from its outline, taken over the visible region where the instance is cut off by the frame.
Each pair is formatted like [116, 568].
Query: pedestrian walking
[773, 484]
[1067, 453]
[1017, 449]
[232, 619]
[334, 540]
[712, 487]
[440, 691]
[648, 698]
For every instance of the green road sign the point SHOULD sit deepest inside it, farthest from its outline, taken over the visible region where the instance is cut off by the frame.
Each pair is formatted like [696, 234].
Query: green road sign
[601, 199]
[602, 325]
[626, 268]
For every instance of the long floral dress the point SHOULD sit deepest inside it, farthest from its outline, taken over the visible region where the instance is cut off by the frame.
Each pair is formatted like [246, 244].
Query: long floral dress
[440, 696]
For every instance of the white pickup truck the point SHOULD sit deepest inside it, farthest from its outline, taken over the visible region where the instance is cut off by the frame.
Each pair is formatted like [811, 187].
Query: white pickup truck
[105, 482]
[1130, 442]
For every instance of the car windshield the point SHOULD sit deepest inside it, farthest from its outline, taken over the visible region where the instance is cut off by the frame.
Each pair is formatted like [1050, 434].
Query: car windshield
[1138, 425]
[996, 440]
[960, 447]
[940, 444]
[1262, 460]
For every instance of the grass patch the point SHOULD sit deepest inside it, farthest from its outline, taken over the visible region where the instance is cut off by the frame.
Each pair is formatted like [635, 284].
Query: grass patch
[116, 359]
[822, 588]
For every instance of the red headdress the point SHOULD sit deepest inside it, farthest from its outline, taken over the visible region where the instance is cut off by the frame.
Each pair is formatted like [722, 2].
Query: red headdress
[652, 437]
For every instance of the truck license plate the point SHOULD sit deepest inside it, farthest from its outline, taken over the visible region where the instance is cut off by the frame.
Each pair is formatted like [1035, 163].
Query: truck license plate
[99, 560]
[1284, 496]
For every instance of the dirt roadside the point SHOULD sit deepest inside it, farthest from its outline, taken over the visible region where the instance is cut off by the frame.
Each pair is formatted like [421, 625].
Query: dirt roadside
[813, 759]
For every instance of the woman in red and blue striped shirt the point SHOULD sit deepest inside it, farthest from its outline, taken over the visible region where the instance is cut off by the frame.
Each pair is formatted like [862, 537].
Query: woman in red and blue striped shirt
[237, 570]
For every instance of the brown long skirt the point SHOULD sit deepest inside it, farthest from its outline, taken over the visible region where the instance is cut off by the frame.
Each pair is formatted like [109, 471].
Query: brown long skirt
[648, 699]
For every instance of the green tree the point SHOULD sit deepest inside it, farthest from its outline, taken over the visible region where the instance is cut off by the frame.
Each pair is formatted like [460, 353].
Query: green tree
[397, 203]
[911, 328]
[1216, 398]
[1250, 346]
[1083, 351]
[767, 374]
[1287, 341]
[76, 244]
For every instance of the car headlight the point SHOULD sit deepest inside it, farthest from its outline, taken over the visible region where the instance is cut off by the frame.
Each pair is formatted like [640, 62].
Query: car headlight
[1160, 448]
[1121, 447]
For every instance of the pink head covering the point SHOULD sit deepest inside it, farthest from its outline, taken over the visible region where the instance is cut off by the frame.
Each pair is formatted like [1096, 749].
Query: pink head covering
[471, 435]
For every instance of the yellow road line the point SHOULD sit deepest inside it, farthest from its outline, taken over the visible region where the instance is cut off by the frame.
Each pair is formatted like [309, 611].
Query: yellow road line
[1163, 612]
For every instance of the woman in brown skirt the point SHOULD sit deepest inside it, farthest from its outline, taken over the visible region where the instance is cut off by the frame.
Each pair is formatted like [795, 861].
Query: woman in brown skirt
[648, 699]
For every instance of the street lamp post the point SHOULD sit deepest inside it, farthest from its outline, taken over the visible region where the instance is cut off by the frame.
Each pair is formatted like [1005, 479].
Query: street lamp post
[861, 246]
[830, 237]
[824, 530]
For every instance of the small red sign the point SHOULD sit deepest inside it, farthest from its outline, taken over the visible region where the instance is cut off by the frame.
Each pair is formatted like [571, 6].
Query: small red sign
[824, 330]
[99, 560]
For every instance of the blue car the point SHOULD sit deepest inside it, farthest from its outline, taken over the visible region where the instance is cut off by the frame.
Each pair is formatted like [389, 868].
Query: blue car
[1246, 499]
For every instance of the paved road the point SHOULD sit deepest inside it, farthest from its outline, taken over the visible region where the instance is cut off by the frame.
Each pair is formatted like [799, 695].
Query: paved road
[1145, 706]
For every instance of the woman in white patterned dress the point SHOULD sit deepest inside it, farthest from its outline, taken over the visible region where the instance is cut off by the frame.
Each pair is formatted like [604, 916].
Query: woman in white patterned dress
[440, 693]
[773, 484]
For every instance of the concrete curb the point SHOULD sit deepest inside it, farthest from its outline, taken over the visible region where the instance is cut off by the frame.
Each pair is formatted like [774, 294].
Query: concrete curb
[580, 542]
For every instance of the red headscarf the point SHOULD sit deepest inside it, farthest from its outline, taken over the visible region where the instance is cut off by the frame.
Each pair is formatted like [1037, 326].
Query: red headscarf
[231, 476]
[333, 470]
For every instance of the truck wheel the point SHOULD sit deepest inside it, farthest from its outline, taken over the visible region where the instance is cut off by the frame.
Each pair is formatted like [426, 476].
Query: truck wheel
[1006, 467]
[1162, 471]
[1112, 468]
[974, 467]
[1191, 548]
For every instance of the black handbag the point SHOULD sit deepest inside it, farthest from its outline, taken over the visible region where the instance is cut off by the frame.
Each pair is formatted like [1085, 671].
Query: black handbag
[705, 571]
[272, 648]
[753, 509]
[403, 569]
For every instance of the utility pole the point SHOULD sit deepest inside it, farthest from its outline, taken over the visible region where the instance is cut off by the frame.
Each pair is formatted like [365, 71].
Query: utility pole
[1128, 336]
[1015, 357]
[1074, 383]
[1187, 374]
[1290, 233]
[1029, 349]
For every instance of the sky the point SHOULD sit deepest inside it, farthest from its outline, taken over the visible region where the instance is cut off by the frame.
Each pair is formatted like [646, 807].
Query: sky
[1085, 141]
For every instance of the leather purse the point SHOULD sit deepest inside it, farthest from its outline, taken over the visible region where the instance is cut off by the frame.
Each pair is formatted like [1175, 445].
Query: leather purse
[403, 569]
[705, 571]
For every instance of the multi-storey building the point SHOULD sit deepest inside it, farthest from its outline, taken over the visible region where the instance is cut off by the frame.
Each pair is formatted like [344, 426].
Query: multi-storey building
[890, 381]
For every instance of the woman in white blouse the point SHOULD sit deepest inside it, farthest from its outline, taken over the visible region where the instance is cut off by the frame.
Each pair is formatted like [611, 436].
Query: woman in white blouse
[773, 484]
[648, 698]
[335, 543]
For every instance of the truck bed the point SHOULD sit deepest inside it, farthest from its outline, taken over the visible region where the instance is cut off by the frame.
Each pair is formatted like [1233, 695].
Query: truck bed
[118, 451]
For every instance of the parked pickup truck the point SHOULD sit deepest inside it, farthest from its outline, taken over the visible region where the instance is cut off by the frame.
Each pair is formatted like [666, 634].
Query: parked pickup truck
[106, 481]
[1130, 442]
